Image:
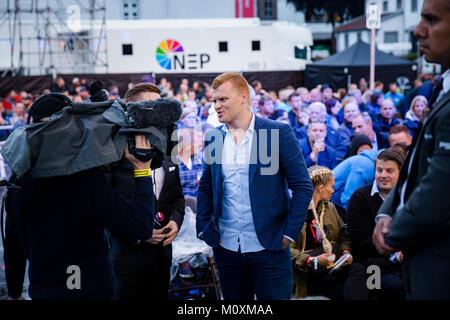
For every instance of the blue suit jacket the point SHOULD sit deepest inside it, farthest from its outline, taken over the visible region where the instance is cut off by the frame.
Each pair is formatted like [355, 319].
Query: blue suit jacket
[326, 158]
[275, 212]
[381, 125]
[333, 139]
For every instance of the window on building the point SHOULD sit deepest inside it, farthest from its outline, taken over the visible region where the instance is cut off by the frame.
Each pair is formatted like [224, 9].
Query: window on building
[358, 35]
[346, 40]
[127, 49]
[223, 46]
[130, 9]
[390, 36]
[267, 9]
[300, 53]
[385, 6]
[413, 5]
[399, 4]
[68, 44]
[72, 41]
[256, 45]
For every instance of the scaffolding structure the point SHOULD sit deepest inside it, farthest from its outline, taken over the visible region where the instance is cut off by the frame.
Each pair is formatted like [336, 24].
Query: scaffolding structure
[54, 36]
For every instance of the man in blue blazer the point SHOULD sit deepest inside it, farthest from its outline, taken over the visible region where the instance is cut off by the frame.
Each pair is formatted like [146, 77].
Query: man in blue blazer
[244, 208]
[314, 147]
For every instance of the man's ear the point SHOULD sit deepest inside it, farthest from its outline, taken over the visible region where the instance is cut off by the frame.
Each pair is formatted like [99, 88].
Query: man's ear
[245, 97]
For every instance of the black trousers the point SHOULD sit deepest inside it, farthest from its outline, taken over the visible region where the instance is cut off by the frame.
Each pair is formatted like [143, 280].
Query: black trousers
[143, 272]
[349, 283]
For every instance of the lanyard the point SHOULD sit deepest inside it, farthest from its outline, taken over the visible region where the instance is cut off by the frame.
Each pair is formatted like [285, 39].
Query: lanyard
[327, 247]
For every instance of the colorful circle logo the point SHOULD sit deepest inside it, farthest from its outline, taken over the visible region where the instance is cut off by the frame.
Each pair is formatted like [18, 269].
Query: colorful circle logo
[163, 50]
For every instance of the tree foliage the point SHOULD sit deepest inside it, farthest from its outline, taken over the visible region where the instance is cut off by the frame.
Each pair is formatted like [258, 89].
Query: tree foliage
[335, 11]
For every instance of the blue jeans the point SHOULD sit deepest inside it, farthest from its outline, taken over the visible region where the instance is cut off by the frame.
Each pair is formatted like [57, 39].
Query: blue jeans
[267, 273]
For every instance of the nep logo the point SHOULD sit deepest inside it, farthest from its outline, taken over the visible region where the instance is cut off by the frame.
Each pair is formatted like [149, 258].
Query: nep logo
[171, 56]
[164, 50]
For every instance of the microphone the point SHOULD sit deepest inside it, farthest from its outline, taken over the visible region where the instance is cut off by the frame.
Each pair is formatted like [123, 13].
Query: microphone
[159, 113]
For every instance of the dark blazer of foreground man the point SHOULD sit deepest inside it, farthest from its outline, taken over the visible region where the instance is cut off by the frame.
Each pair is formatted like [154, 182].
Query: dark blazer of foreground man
[417, 212]
[58, 223]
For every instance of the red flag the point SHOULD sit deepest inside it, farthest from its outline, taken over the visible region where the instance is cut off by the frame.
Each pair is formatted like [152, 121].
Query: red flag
[245, 8]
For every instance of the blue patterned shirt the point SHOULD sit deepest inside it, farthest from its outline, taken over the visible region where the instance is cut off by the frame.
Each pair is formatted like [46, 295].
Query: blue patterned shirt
[189, 177]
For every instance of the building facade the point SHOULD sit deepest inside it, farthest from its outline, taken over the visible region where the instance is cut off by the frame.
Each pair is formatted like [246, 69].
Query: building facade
[38, 35]
[266, 10]
[398, 21]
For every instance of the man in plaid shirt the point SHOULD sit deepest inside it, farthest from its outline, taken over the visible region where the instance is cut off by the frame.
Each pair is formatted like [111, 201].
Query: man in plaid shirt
[190, 162]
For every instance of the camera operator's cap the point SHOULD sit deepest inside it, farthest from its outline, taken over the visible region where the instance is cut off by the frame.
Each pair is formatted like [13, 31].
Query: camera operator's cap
[357, 141]
[47, 105]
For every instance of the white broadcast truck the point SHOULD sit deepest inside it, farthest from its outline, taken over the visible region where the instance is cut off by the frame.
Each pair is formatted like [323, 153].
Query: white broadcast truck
[206, 46]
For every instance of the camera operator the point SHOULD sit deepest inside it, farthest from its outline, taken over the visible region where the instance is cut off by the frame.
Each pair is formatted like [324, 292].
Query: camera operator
[143, 269]
[58, 223]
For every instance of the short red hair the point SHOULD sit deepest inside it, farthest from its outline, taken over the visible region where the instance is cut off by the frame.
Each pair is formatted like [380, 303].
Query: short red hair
[236, 79]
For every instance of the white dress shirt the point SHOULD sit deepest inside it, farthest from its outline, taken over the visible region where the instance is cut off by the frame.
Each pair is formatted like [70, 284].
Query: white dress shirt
[158, 180]
[445, 84]
[237, 230]
[376, 190]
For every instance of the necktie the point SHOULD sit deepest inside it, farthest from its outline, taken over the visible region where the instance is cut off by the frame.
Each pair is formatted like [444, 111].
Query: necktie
[435, 94]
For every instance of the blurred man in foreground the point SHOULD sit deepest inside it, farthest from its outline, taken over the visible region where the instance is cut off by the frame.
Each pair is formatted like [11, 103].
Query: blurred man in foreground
[415, 217]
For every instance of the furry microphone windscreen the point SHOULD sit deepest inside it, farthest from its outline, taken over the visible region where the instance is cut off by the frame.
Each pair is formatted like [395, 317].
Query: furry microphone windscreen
[158, 113]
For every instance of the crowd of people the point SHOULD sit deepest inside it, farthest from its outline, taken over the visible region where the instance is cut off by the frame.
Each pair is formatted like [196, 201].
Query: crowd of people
[288, 105]
[323, 120]
[348, 195]
[340, 133]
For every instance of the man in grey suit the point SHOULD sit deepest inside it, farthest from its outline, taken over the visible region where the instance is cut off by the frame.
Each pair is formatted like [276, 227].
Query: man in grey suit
[415, 218]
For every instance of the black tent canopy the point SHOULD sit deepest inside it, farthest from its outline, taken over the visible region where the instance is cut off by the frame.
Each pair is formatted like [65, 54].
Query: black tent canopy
[353, 64]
